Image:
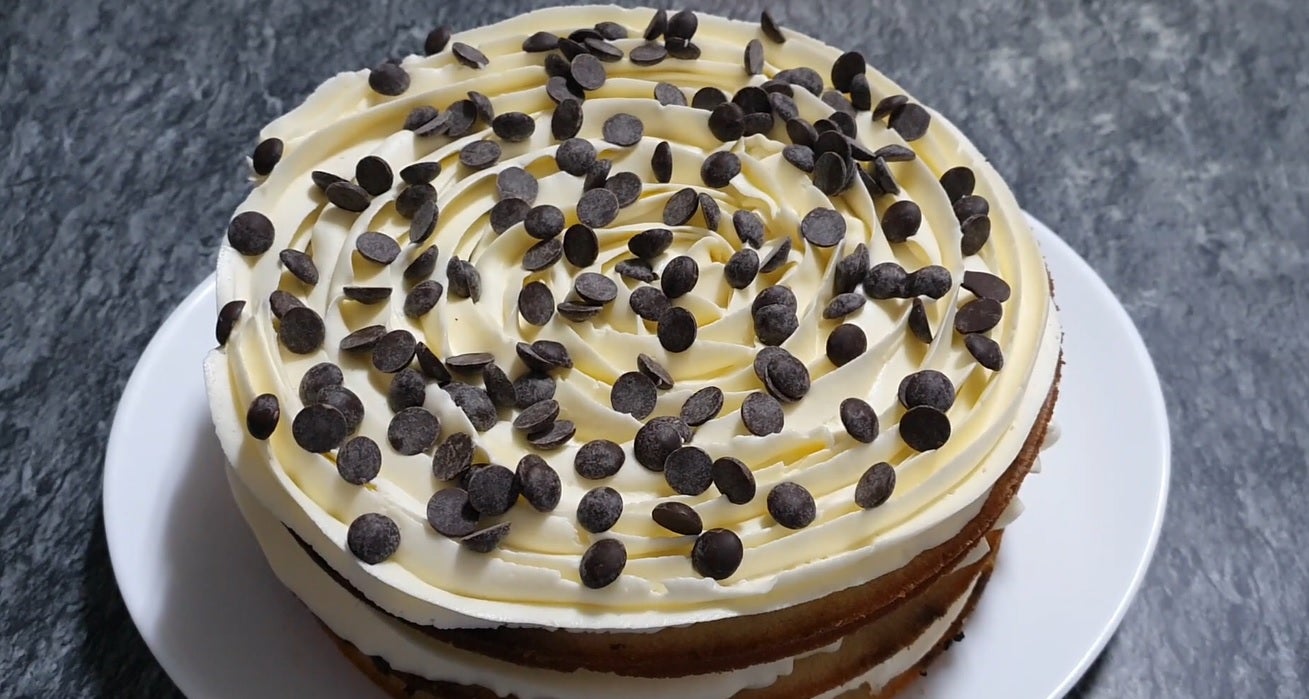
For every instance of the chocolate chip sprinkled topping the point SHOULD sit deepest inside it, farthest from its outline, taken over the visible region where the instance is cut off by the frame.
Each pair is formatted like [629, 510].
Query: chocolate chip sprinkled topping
[453, 457]
[319, 428]
[846, 67]
[846, 342]
[423, 265]
[556, 66]
[612, 31]
[266, 156]
[958, 182]
[250, 233]
[648, 302]
[470, 362]
[709, 209]
[539, 483]
[408, 389]
[424, 222]
[597, 207]
[532, 388]
[771, 28]
[927, 387]
[513, 127]
[301, 330]
[588, 72]
[986, 285]
[707, 98]
[599, 509]
[575, 156]
[719, 168]
[677, 517]
[599, 459]
[823, 227]
[901, 221]
[985, 350]
[976, 231]
[932, 281]
[488, 539]
[653, 443]
[553, 353]
[792, 505]
[507, 213]
[969, 206]
[540, 42]
[623, 130]
[413, 431]
[603, 561]
[281, 301]
[851, 270]
[460, 117]
[346, 402]
[829, 174]
[595, 289]
[801, 132]
[363, 339]
[649, 54]
[682, 25]
[377, 247]
[650, 243]
[597, 174]
[468, 55]
[762, 414]
[717, 554]
[774, 324]
[911, 120]
[786, 378]
[669, 94]
[262, 416]
[373, 538]
[479, 155]
[492, 489]
[875, 486]
[680, 207]
[878, 179]
[726, 122]
[886, 280]
[603, 50]
[741, 268]
[536, 303]
[317, 378]
[544, 222]
[300, 265]
[359, 461]
[977, 316]
[802, 157]
[393, 351]
[572, 47]
[655, 371]
[702, 406]
[323, 180]
[657, 26]
[227, 317]
[633, 393]
[498, 386]
[661, 162]
[367, 295]
[688, 470]
[374, 175]
[734, 480]
[925, 428]
[859, 419]
[567, 119]
[677, 329]
[388, 79]
[436, 40]
[843, 305]
[889, 104]
[680, 276]
[465, 281]
[475, 403]
[450, 514]
[432, 367]
[754, 57]
[577, 312]
[749, 227]
[918, 323]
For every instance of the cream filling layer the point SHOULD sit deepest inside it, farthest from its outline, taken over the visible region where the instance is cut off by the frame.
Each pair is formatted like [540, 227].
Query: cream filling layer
[533, 579]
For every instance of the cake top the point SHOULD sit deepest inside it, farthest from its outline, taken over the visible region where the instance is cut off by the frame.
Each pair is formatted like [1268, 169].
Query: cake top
[606, 318]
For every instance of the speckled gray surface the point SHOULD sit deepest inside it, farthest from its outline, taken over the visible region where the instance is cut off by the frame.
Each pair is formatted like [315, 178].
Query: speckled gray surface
[1165, 140]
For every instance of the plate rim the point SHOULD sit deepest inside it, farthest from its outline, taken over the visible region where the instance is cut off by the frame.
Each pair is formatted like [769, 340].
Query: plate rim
[1152, 391]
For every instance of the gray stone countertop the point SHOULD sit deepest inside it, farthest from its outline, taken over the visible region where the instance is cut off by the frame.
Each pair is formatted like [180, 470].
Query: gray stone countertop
[1166, 141]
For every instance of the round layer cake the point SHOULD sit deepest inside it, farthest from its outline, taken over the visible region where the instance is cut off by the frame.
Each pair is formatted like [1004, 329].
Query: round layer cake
[605, 351]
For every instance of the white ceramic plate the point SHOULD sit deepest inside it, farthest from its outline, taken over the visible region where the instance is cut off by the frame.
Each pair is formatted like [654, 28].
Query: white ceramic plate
[222, 626]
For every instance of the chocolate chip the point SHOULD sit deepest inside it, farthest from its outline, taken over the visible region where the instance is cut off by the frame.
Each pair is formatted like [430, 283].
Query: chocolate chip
[786, 378]
[540, 42]
[667, 93]
[741, 268]
[363, 339]
[911, 120]
[654, 371]
[774, 295]
[376, 247]
[709, 209]
[754, 57]
[346, 402]
[424, 222]
[861, 93]
[431, 367]
[925, 428]
[633, 393]
[450, 514]
[762, 414]
[859, 420]
[976, 231]
[840, 104]
[846, 342]
[575, 156]
[603, 50]
[427, 121]
[460, 117]
[262, 416]
[599, 459]
[774, 324]
[465, 281]
[843, 305]
[648, 302]
[927, 387]
[367, 295]
[595, 289]
[758, 123]
[846, 67]
[388, 79]
[572, 47]
[317, 378]
[830, 174]
[677, 329]
[323, 180]
[802, 157]
[227, 317]
[977, 316]
[374, 175]
[702, 406]
[532, 388]
[359, 461]
[470, 362]
[851, 270]
[588, 72]
[480, 155]
[932, 281]
[986, 285]
[468, 55]
[452, 458]
[539, 483]
[734, 480]
[577, 312]
[536, 303]
[554, 354]
[770, 28]
[726, 122]
[413, 431]
[567, 119]
[792, 505]
[958, 182]
[886, 280]
[918, 323]
[654, 441]
[488, 539]
[498, 386]
[680, 207]
[266, 156]
[612, 31]
[657, 26]
[833, 142]
[875, 486]
[564, 88]
[436, 40]
[599, 509]
[801, 132]
[507, 213]
[544, 222]
[649, 54]
[823, 227]
[475, 403]
[679, 276]
[319, 428]
[622, 130]
[716, 554]
[985, 350]
[661, 162]
[492, 490]
[597, 208]
[707, 98]
[677, 517]
[556, 66]
[637, 269]
[301, 330]
[650, 243]
[251, 233]
[408, 389]
[719, 169]
[373, 538]
[603, 561]
[597, 174]
[901, 221]
[688, 470]
[393, 351]
[513, 127]
[802, 77]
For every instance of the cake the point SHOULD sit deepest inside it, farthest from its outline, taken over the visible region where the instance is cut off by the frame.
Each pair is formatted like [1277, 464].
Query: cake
[623, 352]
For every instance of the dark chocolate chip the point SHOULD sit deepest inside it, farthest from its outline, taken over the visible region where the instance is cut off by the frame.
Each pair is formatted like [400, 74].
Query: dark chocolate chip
[851, 270]
[450, 514]
[847, 65]
[918, 323]
[762, 414]
[985, 350]
[577, 312]
[475, 403]
[599, 459]
[612, 31]
[432, 367]
[393, 351]
[413, 431]
[564, 88]
[508, 213]
[927, 387]
[513, 127]
[719, 168]
[227, 317]
[453, 457]
[626, 187]
[599, 509]
[846, 342]
[801, 132]
[707, 98]
[545, 354]
[373, 538]
[460, 117]
[792, 505]
[911, 120]
[681, 207]
[894, 153]
[688, 470]
[567, 119]
[654, 442]
[901, 221]
[886, 280]
[958, 182]
[633, 393]
[648, 302]
[465, 281]
[346, 402]
[301, 330]
[544, 222]
[726, 122]
[774, 324]
[668, 94]
[771, 28]
[573, 47]
[540, 42]
[516, 183]
[492, 490]
[888, 105]
[359, 461]
[575, 156]
[657, 26]
[470, 362]
[741, 268]
[436, 40]
[774, 295]
[539, 483]
[556, 66]
[436, 123]
[498, 386]
[597, 174]
[377, 247]
[622, 130]
[932, 281]
[754, 57]
[878, 179]
[603, 50]
[323, 180]
[925, 428]
[480, 155]
[251, 233]
[802, 157]
[597, 207]
[488, 539]
[655, 371]
[588, 71]
[734, 480]
[636, 269]
[802, 77]
[677, 517]
[388, 79]
[859, 419]
[603, 561]
[319, 428]
[595, 289]
[682, 49]
[363, 339]
[317, 378]
[786, 378]
[468, 55]
[262, 416]
[749, 227]
[843, 305]
[717, 554]
[977, 316]
[408, 390]
[861, 93]
[829, 174]
[702, 406]
[832, 142]
[374, 175]
[661, 162]
[650, 243]
[677, 329]
[783, 106]
[536, 303]
[709, 209]
[367, 295]
[266, 156]
[683, 430]
[424, 222]
[679, 276]
[758, 123]
[823, 227]
[976, 231]
[838, 102]
[649, 54]
[532, 388]
[581, 246]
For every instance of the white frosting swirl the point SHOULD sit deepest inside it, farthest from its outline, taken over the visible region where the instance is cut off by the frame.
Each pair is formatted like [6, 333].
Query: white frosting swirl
[532, 579]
